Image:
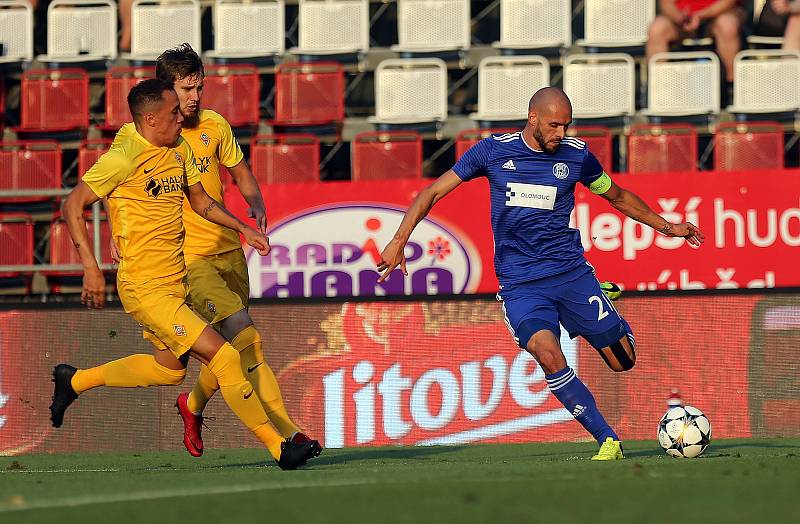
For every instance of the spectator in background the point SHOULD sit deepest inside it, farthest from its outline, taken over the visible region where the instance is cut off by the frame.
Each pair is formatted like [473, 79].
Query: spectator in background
[679, 19]
[125, 25]
[781, 18]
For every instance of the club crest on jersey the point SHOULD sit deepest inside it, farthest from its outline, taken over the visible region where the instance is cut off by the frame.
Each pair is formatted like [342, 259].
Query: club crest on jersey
[180, 330]
[561, 170]
[204, 139]
[153, 188]
[212, 308]
[178, 158]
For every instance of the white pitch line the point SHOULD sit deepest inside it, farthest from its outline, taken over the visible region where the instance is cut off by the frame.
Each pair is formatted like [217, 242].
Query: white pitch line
[132, 496]
[18, 471]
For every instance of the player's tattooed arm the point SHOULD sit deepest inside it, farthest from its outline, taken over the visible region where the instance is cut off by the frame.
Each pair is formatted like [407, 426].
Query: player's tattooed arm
[211, 205]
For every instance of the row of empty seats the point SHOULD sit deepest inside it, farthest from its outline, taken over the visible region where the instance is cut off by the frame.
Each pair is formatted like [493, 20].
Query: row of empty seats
[80, 30]
[17, 239]
[36, 165]
[415, 90]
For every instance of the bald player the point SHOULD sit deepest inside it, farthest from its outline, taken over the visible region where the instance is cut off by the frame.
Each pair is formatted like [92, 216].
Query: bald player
[545, 281]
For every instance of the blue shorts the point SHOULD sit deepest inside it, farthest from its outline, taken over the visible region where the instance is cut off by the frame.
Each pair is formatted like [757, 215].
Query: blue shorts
[572, 299]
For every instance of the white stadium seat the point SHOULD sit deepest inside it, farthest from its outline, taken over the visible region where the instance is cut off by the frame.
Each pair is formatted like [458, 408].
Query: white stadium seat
[247, 28]
[506, 84]
[410, 90]
[600, 85]
[616, 23]
[81, 31]
[159, 25]
[16, 26]
[766, 81]
[432, 25]
[535, 24]
[683, 84]
[329, 27]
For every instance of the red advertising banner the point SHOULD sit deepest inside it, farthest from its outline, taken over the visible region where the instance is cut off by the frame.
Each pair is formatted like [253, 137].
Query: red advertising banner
[327, 237]
[419, 373]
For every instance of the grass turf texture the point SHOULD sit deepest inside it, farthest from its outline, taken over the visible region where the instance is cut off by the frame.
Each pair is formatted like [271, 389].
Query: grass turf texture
[734, 481]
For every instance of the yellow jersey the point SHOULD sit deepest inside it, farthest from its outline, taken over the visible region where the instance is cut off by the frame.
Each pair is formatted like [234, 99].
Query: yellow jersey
[213, 144]
[144, 185]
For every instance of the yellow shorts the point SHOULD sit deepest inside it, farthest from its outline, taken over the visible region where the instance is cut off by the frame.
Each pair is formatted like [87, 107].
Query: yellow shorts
[218, 284]
[159, 305]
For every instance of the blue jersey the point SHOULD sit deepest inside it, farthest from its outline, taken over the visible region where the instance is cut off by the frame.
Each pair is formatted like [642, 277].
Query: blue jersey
[532, 195]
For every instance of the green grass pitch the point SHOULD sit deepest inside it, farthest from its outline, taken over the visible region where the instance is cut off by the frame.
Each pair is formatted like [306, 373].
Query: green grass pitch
[747, 481]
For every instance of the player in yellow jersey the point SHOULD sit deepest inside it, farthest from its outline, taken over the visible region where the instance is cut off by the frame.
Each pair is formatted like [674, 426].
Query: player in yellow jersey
[145, 175]
[217, 270]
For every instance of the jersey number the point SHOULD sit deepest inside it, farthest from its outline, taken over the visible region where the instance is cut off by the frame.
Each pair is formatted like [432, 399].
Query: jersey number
[601, 313]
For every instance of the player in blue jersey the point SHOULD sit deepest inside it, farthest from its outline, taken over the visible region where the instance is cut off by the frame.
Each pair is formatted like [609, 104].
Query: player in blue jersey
[545, 280]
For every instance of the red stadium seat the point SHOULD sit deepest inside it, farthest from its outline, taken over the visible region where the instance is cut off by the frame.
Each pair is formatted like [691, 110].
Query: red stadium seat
[88, 153]
[387, 155]
[470, 137]
[16, 237]
[748, 145]
[233, 91]
[599, 141]
[119, 81]
[33, 164]
[62, 251]
[278, 159]
[309, 93]
[54, 100]
[662, 148]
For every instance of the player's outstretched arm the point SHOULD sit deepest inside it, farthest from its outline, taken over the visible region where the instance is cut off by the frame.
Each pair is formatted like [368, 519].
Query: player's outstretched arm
[631, 205]
[213, 211]
[93, 293]
[392, 255]
[248, 187]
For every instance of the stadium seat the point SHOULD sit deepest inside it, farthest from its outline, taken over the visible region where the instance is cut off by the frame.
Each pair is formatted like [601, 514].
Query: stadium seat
[332, 27]
[506, 84]
[585, 73]
[33, 164]
[662, 148]
[766, 81]
[309, 93]
[119, 81]
[88, 153]
[616, 23]
[63, 252]
[248, 29]
[54, 100]
[233, 91]
[81, 31]
[2, 104]
[469, 137]
[158, 25]
[598, 139]
[280, 159]
[772, 41]
[552, 27]
[16, 26]
[429, 26]
[387, 155]
[748, 146]
[16, 237]
[683, 84]
[410, 90]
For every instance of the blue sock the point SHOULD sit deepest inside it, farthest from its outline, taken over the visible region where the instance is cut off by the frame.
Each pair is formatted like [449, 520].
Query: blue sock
[579, 401]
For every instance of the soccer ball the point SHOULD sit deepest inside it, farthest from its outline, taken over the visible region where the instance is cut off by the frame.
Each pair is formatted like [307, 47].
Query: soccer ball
[684, 432]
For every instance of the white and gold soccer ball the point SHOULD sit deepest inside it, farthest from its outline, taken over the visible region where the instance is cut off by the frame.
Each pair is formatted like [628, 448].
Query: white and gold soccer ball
[684, 432]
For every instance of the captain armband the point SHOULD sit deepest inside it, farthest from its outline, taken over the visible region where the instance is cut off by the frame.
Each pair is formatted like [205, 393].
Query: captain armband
[601, 185]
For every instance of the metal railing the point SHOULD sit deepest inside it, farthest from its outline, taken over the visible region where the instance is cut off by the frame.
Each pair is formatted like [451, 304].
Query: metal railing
[66, 268]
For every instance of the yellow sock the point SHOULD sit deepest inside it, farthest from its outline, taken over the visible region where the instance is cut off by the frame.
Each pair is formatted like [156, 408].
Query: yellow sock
[203, 390]
[241, 398]
[248, 343]
[129, 372]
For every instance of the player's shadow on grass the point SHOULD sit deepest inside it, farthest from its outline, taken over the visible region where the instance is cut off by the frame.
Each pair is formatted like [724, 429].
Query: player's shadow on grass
[385, 454]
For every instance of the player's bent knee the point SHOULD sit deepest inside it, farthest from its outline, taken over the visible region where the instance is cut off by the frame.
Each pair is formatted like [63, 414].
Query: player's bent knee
[620, 355]
[167, 376]
[235, 324]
